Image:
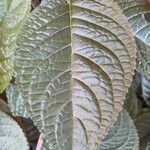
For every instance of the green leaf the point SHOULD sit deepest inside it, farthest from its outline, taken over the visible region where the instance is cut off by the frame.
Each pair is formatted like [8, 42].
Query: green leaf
[74, 64]
[137, 13]
[11, 135]
[146, 89]
[131, 103]
[148, 146]
[134, 99]
[142, 123]
[143, 61]
[46, 146]
[15, 101]
[122, 136]
[13, 14]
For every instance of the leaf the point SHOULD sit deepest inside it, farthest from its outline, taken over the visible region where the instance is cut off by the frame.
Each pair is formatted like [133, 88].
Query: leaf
[134, 98]
[13, 14]
[46, 146]
[74, 64]
[146, 89]
[142, 123]
[122, 136]
[143, 61]
[137, 82]
[131, 103]
[137, 13]
[15, 101]
[148, 146]
[11, 135]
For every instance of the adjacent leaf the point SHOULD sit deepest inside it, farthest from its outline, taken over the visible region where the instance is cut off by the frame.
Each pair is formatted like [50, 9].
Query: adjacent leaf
[134, 99]
[15, 101]
[143, 61]
[122, 136]
[137, 82]
[11, 135]
[131, 103]
[148, 146]
[74, 64]
[46, 146]
[146, 89]
[137, 13]
[142, 123]
[13, 14]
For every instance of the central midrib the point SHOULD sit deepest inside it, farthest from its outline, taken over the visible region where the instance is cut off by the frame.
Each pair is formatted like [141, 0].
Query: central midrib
[71, 40]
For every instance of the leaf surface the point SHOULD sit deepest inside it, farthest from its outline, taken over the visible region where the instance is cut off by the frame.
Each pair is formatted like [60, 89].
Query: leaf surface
[13, 14]
[142, 123]
[148, 146]
[15, 101]
[145, 84]
[122, 136]
[143, 61]
[74, 63]
[131, 103]
[11, 135]
[138, 16]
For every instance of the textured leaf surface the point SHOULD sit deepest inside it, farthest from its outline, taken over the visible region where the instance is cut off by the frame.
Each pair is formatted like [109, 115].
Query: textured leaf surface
[11, 135]
[75, 61]
[143, 61]
[142, 123]
[134, 99]
[146, 89]
[46, 146]
[138, 15]
[131, 103]
[122, 136]
[15, 101]
[148, 146]
[12, 16]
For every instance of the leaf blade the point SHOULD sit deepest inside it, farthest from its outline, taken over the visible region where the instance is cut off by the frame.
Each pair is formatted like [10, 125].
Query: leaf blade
[12, 17]
[11, 138]
[142, 125]
[137, 13]
[67, 54]
[123, 135]
[15, 101]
